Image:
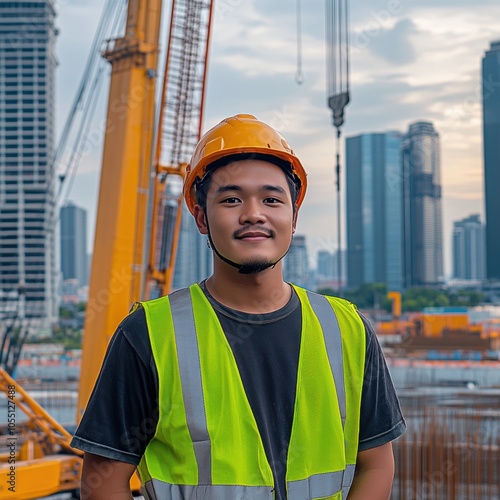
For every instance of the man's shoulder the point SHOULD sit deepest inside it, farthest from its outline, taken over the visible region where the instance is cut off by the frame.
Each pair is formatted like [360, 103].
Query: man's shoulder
[134, 330]
[135, 320]
[339, 304]
[331, 298]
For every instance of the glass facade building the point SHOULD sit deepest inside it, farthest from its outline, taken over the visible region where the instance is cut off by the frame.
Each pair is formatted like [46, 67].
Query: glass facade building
[374, 201]
[422, 208]
[27, 180]
[491, 144]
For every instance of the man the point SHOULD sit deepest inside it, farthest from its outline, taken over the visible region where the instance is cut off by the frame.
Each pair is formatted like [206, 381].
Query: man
[242, 386]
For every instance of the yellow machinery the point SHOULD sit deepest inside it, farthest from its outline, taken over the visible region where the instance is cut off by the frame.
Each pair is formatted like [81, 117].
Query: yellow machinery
[38, 460]
[132, 256]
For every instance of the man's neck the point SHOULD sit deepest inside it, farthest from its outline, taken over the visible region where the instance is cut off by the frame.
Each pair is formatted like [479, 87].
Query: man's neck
[262, 292]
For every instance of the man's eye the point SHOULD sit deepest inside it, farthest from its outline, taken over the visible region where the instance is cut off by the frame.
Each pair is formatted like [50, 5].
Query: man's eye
[272, 200]
[230, 200]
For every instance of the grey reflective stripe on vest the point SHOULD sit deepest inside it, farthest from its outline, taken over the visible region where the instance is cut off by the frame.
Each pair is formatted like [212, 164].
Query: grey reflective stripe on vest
[317, 486]
[348, 477]
[322, 485]
[333, 341]
[331, 331]
[159, 490]
[192, 390]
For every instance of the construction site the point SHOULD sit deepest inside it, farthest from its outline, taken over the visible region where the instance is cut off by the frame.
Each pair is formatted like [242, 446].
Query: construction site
[444, 362]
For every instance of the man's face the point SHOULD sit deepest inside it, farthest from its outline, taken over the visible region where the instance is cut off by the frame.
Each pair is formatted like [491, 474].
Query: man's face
[250, 212]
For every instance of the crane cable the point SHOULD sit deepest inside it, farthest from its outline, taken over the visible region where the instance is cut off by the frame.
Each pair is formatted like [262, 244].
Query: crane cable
[299, 75]
[337, 46]
[337, 40]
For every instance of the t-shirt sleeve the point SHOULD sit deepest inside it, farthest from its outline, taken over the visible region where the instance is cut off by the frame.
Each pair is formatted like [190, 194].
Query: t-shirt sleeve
[122, 413]
[381, 418]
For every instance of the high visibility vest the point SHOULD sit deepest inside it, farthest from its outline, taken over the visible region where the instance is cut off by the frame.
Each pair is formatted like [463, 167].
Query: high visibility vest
[207, 444]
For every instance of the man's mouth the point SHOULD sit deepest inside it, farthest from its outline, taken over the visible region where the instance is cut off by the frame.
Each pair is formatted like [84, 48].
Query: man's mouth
[255, 233]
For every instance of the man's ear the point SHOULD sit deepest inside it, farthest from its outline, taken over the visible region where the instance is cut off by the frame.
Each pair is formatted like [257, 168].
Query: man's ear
[200, 219]
[294, 221]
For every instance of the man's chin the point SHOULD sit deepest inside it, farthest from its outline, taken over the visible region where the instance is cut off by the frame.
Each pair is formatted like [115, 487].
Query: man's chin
[254, 267]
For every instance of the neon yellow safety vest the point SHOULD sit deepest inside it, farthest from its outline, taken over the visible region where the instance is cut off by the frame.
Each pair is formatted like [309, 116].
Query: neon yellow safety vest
[207, 444]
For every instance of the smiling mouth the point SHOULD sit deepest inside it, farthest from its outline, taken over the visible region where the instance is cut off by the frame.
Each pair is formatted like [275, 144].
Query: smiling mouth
[253, 236]
[257, 234]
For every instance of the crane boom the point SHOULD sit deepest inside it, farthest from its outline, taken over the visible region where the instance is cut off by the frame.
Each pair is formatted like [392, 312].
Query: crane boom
[117, 267]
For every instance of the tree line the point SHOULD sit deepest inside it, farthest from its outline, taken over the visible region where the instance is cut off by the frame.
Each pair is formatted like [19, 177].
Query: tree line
[374, 296]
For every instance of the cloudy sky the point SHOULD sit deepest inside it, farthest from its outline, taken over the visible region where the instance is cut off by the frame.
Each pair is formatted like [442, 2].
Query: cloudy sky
[410, 60]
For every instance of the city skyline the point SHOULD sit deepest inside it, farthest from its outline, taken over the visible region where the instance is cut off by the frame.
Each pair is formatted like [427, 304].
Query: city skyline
[405, 67]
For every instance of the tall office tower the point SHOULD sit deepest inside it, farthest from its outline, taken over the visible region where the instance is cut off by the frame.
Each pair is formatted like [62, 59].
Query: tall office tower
[468, 249]
[27, 180]
[491, 144]
[194, 260]
[422, 207]
[296, 263]
[374, 200]
[73, 236]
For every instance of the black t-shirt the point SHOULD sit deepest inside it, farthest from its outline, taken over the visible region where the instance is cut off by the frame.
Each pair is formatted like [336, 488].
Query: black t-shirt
[122, 413]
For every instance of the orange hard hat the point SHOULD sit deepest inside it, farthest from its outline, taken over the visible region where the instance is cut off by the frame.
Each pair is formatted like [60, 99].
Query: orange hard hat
[240, 135]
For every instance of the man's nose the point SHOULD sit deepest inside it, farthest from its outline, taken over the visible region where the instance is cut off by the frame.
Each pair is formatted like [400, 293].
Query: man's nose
[252, 212]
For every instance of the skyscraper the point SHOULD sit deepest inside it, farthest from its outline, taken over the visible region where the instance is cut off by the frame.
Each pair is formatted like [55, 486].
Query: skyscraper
[491, 144]
[468, 249]
[374, 201]
[73, 236]
[422, 207]
[296, 263]
[27, 181]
